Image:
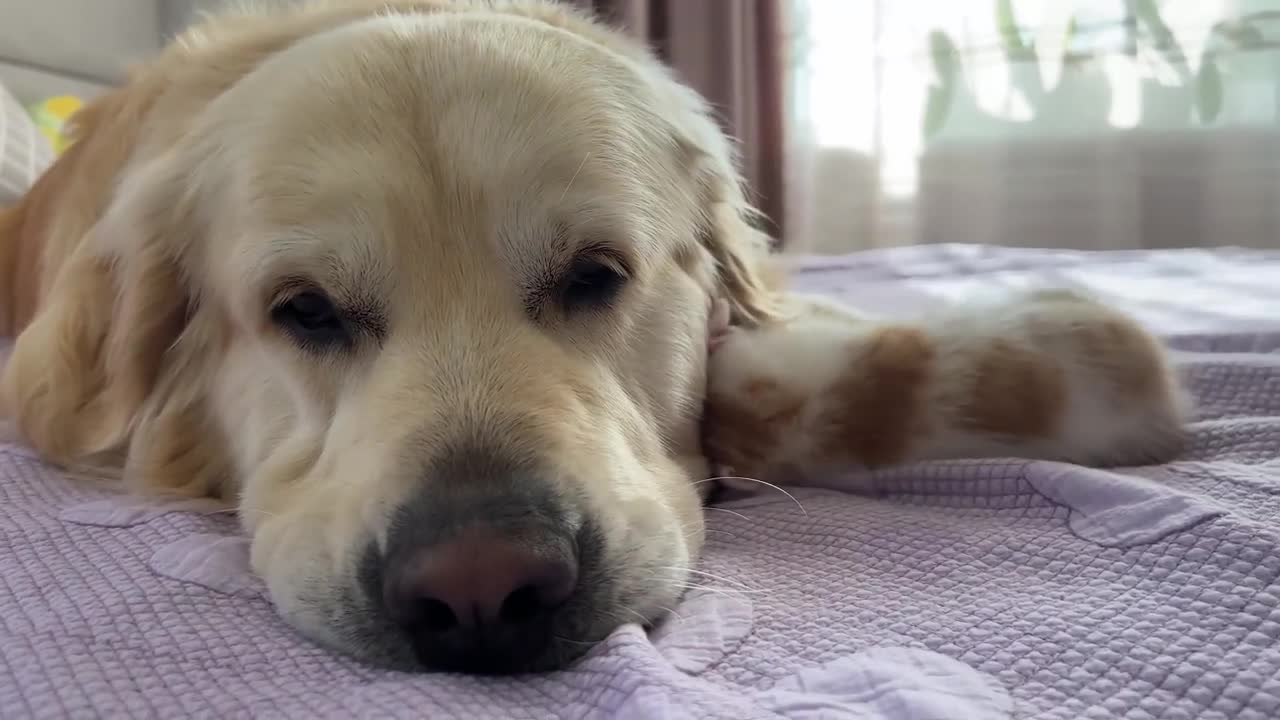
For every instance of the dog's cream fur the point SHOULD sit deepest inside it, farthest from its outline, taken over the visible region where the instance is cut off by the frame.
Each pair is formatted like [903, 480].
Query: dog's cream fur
[434, 163]
[434, 166]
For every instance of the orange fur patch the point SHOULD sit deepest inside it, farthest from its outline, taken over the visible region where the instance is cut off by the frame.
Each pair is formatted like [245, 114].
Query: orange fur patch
[1016, 392]
[760, 388]
[878, 408]
[743, 431]
[1129, 359]
[734, 435]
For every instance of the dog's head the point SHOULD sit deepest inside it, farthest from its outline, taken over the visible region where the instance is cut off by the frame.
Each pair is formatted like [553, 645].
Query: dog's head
[426, 295]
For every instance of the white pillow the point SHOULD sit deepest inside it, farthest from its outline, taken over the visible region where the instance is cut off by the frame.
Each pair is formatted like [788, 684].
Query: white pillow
[24, 152]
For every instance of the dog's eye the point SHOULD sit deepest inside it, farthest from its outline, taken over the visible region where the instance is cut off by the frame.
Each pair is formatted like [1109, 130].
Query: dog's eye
[591, 283]
[312, 319]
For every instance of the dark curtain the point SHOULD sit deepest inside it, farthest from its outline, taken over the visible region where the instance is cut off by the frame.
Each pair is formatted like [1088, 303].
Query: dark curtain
[731, 51]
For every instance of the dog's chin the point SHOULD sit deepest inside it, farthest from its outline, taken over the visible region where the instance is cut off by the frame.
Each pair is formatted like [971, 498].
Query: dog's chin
[357, 628]
[351, 619]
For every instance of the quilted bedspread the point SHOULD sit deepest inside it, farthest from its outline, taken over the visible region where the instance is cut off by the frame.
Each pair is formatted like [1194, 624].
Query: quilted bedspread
[954, 590]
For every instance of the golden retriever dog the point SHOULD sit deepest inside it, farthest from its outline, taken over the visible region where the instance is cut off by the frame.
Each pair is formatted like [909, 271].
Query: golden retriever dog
[422, 288]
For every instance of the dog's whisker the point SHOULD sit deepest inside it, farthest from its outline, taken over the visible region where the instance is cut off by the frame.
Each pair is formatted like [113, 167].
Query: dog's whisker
[704, 529]
[223, 511]
[237, 511]
[209, 512]
[708, 575]
[721, 590]
[643, 620]
[679, 618]
[727, 510]
[759, 597]
[758, 482]
[575, 176]
[719, 578]
[570, 641]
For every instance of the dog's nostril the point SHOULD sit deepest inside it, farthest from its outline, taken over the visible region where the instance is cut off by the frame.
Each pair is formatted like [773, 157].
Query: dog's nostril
[435, 615]
[522, 605]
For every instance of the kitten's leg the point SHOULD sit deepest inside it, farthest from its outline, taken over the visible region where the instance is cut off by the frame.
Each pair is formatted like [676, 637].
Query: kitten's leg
[1048, 375]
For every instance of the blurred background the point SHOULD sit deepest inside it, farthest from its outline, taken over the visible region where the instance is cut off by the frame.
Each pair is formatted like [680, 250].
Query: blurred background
[1087, 124]
[1083, 124]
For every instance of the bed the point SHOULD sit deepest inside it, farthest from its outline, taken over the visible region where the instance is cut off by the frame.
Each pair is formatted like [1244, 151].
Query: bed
[959, 589]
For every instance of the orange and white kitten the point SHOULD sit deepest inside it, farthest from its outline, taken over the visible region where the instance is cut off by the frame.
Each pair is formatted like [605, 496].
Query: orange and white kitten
[1049, 375]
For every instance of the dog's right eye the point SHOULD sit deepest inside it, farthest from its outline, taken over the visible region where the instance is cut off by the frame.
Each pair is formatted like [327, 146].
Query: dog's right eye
[312, 319]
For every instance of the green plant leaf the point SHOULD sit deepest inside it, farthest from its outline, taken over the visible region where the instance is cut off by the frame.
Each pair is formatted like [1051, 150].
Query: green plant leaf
[946, 58]
[1209, 90]
[1069, 56]
[1246, 35]
[1144, 10]
[1239, 33]
[1011, 33]
[936, 108]
[1147, 12]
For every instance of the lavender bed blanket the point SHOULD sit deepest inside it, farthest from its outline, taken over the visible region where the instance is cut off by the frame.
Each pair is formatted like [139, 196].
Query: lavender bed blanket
[956, 590]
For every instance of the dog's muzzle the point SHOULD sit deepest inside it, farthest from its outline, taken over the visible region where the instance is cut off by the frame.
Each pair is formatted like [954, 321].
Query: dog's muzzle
[488, 570]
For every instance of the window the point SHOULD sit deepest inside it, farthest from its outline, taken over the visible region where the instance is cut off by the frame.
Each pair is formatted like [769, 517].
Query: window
[885, 90]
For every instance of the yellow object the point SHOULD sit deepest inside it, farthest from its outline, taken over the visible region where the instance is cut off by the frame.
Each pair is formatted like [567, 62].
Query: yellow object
[51, 118]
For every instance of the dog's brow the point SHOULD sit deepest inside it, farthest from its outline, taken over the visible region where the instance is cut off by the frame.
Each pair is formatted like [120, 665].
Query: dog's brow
[358, 305]
[548, 264]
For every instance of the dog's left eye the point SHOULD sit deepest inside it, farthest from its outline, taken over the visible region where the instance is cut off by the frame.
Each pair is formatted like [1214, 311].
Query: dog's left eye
[312, 319]
[592, 282]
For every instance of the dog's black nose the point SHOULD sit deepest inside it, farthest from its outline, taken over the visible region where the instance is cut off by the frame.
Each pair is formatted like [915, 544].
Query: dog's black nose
[488, 569]
[483, 601]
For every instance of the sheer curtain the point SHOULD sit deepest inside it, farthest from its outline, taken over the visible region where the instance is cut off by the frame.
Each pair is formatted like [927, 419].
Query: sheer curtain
[1039, 123]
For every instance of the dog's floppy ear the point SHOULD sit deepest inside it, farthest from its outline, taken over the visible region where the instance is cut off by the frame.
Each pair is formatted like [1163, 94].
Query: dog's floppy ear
[740, 250]
[741, 253]
[82, 382]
